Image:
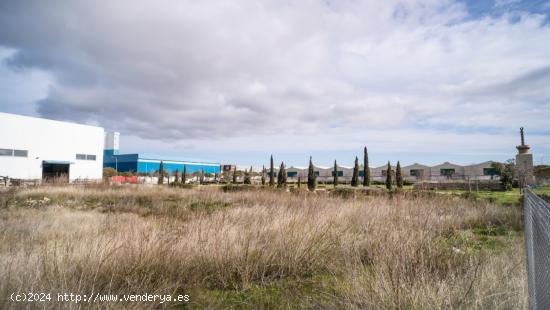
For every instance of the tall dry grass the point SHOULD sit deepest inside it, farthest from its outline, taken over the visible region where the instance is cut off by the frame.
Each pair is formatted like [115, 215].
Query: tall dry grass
[269, 248]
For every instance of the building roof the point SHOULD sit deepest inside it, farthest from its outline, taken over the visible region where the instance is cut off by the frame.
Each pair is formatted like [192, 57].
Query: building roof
[177, 161]
[40, 119]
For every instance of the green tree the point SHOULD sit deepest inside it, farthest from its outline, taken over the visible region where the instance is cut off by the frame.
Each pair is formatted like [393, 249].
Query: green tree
[366, 169]
[398, 176]
[335, 174]
[263, 175]
[109, 172]
[542, 171]
[126, 174]
[505, 171]
[161, 173]
[355, 175]
[388, 177]
[247, 176]
[184, 175]
[235, 176]
[271, 173]
[176, 176]
[311, 177]
[299, 181]
[281, 178]
[201, 177]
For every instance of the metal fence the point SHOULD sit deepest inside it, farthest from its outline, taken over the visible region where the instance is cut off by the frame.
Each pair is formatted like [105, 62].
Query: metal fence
[537, 242]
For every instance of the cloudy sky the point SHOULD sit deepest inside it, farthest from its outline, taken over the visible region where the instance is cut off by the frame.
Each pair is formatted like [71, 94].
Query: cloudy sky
[234, 81]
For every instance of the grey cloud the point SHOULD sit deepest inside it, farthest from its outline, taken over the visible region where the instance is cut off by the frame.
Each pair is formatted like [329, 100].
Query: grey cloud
[236, 68]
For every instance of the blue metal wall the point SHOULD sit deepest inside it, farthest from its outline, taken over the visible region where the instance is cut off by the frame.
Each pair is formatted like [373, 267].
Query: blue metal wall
[132, 162]
[109, 153]
[147, 166]
[122, 163]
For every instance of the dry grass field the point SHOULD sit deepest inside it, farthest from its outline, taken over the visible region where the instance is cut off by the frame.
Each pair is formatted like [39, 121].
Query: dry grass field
[261, 248]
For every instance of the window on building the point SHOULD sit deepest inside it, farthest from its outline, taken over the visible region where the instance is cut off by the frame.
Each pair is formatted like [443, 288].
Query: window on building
[489, 171]
[316, 173]
[447, 172]
[416, 172]
[20, 153]
[384, 172]
[291, 174]
[81, 156]
[90, 157]
[6, 152]
[361, 173]
[340, 173]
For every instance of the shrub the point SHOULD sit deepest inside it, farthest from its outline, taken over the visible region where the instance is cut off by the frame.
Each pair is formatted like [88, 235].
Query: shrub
[343, 192]
[469, 195]
[237, 187]
[109, 172]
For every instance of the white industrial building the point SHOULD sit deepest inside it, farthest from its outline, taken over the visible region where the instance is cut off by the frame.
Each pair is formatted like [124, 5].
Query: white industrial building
[35, 148]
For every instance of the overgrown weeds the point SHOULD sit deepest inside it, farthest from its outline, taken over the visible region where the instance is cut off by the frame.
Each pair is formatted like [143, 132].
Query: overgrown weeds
[263, 248]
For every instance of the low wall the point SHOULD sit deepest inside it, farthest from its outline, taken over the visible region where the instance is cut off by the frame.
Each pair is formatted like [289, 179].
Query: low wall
[475, 185]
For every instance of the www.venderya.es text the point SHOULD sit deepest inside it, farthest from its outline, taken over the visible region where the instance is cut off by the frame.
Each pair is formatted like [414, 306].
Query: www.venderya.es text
[98, 297]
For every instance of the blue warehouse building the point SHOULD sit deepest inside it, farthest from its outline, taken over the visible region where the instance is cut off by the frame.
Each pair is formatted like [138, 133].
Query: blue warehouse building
[138, 164]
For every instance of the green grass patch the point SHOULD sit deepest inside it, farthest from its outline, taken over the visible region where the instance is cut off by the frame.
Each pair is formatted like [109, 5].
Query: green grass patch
[208, 206]
[512, 197]
[491, 231]
[314, 292]
[481, 239]
[542, 190]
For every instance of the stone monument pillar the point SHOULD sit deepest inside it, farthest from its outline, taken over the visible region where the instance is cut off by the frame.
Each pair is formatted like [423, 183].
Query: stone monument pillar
[524, 163]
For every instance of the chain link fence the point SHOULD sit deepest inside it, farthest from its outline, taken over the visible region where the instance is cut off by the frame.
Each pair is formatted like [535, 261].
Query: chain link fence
[537, 242]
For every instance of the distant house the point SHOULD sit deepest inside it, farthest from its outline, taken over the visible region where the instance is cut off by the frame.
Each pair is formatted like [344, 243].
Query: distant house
[295, 172]
[416, 172]
[379, 173]
[446, 171]
[482, 171]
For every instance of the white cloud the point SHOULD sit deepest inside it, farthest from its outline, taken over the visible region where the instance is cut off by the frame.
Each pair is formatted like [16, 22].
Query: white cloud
[245, 71]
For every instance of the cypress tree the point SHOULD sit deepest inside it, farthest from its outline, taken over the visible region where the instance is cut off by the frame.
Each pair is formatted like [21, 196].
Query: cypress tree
[299, 181]
[176, 176]
[398, 176]
[184, 175]
[263, 175]
[366, 169]
[246, 177]
[271, 173]
[355, 176]
[311, 177]
[388, 177]
[201, 177]
[335, 181]
[281, 178]
[235, 176]
[161, 173]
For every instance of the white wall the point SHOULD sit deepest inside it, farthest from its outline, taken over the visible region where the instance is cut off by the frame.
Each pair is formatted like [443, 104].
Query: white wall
[112, 141]
[49, 140]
